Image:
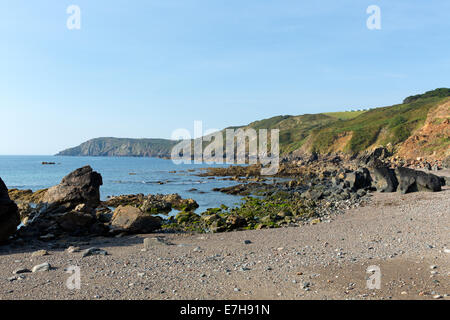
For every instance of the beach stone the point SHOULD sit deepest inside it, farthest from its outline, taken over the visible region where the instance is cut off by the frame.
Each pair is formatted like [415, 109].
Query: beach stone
[412, 180]
[359, 179]
[94, 251]
[132, 220]
[235, 222]
[9, 214]
[39, 253]
[384, 179]
[41, 267]
[21, 270]
[72, 249]
[81, 186]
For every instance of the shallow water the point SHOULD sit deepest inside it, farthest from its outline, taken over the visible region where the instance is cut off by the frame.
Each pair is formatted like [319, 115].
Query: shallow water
[121, 175]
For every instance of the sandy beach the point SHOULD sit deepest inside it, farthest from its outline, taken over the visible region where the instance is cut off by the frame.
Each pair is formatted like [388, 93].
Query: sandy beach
[407, 236]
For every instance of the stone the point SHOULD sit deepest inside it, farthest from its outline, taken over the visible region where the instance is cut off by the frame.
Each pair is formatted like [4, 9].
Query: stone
[75, 222]
[39, 253]
[94, 251]
[412, 180]
[81, 186]
[72, 249]
[21, 270]
[384, 179]
[41, 267]
[235, 222]
[359, 179]
[132, 220]
[9, 214]
[156, 241]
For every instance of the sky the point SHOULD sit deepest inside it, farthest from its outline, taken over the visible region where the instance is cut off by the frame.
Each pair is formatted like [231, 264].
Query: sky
[144, 68]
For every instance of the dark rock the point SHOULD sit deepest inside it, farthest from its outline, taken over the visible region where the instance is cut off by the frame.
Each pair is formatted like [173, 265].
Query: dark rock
[359, 179]
[93, 252]
[384, 179]
[75, 222]
[80, 186]
[412, 180]
[377, 154]
[9, 214]
[133, 220]
[445, 181]
[235, 222]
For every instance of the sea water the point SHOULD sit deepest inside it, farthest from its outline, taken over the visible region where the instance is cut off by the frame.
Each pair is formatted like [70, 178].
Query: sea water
[121, 175]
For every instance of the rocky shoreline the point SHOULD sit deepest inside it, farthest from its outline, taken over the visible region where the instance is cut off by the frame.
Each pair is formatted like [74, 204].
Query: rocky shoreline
[312, 190]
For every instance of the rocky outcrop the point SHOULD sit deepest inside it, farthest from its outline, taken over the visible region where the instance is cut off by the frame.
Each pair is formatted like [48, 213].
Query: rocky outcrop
[384, 179]
[412, 180]
[80, 186]
[132, 220]
[9, 214]
[158, 203]
[68, 208]
[359, 179]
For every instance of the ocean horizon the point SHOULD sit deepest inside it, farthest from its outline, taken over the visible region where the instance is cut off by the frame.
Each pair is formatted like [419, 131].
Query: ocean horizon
[121, 175]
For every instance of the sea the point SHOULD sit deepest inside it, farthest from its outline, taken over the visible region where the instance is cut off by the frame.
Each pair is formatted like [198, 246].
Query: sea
[121, 175]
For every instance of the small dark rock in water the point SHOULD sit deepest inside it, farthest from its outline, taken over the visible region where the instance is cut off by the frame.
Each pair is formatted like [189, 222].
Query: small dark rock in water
[94, 251]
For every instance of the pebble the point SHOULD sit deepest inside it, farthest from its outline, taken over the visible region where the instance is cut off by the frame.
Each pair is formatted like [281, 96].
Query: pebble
[247, 242]
[94, 251]
[73, 249]
[22, 270]
[41, 267]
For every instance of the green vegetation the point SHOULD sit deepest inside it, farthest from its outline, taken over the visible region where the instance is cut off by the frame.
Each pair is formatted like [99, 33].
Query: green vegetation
[120, 147]
[437, 93]
[346, 115]
[381, 126]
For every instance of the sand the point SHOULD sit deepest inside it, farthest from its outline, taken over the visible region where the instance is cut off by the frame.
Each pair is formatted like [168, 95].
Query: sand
[406, 236]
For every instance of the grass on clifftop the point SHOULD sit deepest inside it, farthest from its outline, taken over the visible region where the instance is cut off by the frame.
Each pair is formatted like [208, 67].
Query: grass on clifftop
[381, 125]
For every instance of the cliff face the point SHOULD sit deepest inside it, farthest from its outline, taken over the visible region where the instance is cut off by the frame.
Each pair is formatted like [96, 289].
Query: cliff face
[122, 147]
[419, 127]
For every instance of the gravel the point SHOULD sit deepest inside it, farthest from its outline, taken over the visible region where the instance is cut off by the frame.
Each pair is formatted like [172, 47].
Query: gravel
[401, 234]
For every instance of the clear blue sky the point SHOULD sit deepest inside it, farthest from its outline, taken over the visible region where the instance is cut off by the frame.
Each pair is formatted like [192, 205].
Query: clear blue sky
[145, 68]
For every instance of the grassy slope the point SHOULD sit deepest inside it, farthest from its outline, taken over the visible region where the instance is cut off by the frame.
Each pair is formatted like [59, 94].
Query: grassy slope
[381, 125]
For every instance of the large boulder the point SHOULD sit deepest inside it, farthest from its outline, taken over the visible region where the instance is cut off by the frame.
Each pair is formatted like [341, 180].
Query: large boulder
[375, 155]
[132, 220]
[359, 179]
[9, 214]
[412, 180]
[80, 186]
[384, 179]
